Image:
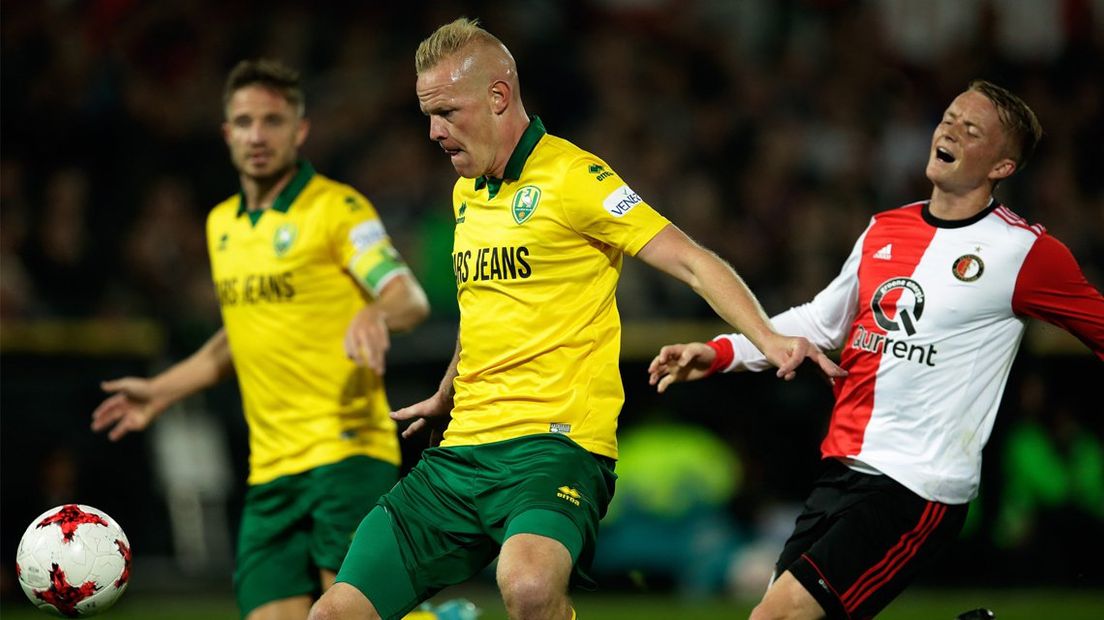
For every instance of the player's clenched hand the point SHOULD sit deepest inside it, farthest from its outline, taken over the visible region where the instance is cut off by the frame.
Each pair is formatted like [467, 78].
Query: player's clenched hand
[789, 352]
[367, 339]
[131, 407]
[680, 362]
[432, 412]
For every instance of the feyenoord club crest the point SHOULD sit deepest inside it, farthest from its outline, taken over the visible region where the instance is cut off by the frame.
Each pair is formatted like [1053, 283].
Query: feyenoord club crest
[525, 202]
[284, 237]
[968, 267]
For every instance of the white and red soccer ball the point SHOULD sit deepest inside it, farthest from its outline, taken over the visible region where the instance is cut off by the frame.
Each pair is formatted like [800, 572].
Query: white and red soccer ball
[73, 561]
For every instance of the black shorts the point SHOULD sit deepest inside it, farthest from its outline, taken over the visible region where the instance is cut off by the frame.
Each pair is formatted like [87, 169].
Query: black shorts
[861, 539]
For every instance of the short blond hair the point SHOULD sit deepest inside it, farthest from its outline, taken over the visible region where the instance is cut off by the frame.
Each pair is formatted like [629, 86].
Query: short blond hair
[450, 39]
[1020, 123]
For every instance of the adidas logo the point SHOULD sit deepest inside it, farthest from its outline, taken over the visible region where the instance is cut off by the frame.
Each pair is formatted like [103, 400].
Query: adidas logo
[886, 253]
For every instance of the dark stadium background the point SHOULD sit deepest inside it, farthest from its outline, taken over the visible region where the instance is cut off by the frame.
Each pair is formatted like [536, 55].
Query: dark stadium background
[770, 131]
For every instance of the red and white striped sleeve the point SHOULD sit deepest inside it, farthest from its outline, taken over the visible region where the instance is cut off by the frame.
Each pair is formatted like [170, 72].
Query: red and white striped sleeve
[1052, 288]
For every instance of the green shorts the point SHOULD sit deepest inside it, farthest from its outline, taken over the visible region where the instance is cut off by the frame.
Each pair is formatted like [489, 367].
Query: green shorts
[295, 525]
[447, 519]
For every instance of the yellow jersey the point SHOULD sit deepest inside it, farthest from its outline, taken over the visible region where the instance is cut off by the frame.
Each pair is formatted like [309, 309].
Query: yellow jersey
[290, 279]
[537, 256]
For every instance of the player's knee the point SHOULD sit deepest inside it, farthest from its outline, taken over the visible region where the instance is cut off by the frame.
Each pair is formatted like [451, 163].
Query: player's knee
[526, 590]
[340, 602]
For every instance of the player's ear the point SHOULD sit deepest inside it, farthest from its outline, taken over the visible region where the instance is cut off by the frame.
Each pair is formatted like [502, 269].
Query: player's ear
[302, 131]
[499, 94]
[226, 131]
[1002, 169]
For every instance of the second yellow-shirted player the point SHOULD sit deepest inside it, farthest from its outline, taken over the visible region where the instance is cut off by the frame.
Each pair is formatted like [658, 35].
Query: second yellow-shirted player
[287, 280]
[309, 287]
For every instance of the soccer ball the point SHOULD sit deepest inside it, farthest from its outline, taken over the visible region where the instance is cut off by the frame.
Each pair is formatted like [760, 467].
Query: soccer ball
[73, 561]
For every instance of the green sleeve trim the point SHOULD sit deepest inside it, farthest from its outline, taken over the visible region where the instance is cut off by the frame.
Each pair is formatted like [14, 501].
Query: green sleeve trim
[379, 274]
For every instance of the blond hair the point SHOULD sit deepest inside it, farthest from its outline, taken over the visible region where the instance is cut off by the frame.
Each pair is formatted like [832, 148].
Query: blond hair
[450, 39]
[1020, 123]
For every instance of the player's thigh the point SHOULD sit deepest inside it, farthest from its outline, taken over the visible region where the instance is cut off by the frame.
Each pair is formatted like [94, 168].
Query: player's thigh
[551, 487]
[273, 554]
[872, 550]
[787, 598]
[423, 537]
[344, 493]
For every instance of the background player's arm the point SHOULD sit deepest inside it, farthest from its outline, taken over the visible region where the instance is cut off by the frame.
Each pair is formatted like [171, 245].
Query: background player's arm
[401, 306]
[433, 411]
[135, 402]
[672, 252]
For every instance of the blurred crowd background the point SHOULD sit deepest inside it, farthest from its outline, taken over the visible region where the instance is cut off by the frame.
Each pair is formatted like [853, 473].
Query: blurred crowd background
[771, 131]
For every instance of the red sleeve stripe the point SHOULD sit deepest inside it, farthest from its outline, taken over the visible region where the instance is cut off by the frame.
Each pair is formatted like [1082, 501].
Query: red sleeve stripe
[901, 553]
[1014, 220]
[725, 354]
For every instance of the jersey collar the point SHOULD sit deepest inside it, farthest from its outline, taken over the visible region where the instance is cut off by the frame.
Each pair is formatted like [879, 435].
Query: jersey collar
[529, 139]
[931, 220]
[287, 195]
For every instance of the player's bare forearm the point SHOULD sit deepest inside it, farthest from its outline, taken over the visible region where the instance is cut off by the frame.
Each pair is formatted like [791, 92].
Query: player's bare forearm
[403, 303]
[210, 364]
[672, 252]
[433, 412]
[136, 402]
[446, 388]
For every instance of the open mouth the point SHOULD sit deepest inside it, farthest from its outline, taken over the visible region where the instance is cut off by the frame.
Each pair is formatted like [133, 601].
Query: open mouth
[944, 155]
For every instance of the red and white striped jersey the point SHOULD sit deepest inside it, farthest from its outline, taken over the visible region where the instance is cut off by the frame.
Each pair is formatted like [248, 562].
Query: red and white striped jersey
[929, 314]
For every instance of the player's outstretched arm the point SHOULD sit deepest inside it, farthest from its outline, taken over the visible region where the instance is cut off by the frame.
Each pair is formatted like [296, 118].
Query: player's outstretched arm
[672, 252]
[676, 363]
[136, 402]
[433, 412]
[401, 305]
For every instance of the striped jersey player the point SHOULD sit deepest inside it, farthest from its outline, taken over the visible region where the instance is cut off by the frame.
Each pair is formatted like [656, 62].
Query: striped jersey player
[928, 313]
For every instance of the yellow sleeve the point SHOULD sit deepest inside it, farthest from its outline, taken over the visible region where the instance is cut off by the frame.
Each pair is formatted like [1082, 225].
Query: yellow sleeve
[362, 244]
[600, 205]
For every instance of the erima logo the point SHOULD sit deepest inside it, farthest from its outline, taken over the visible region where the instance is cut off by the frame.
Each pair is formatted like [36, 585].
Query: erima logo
[886, 253]
[353, 203]
[621, 200]
[460, 214]
[570, 494]
[600, 173]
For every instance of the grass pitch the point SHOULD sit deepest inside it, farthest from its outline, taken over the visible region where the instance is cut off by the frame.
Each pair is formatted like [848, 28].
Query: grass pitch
[913, 605]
